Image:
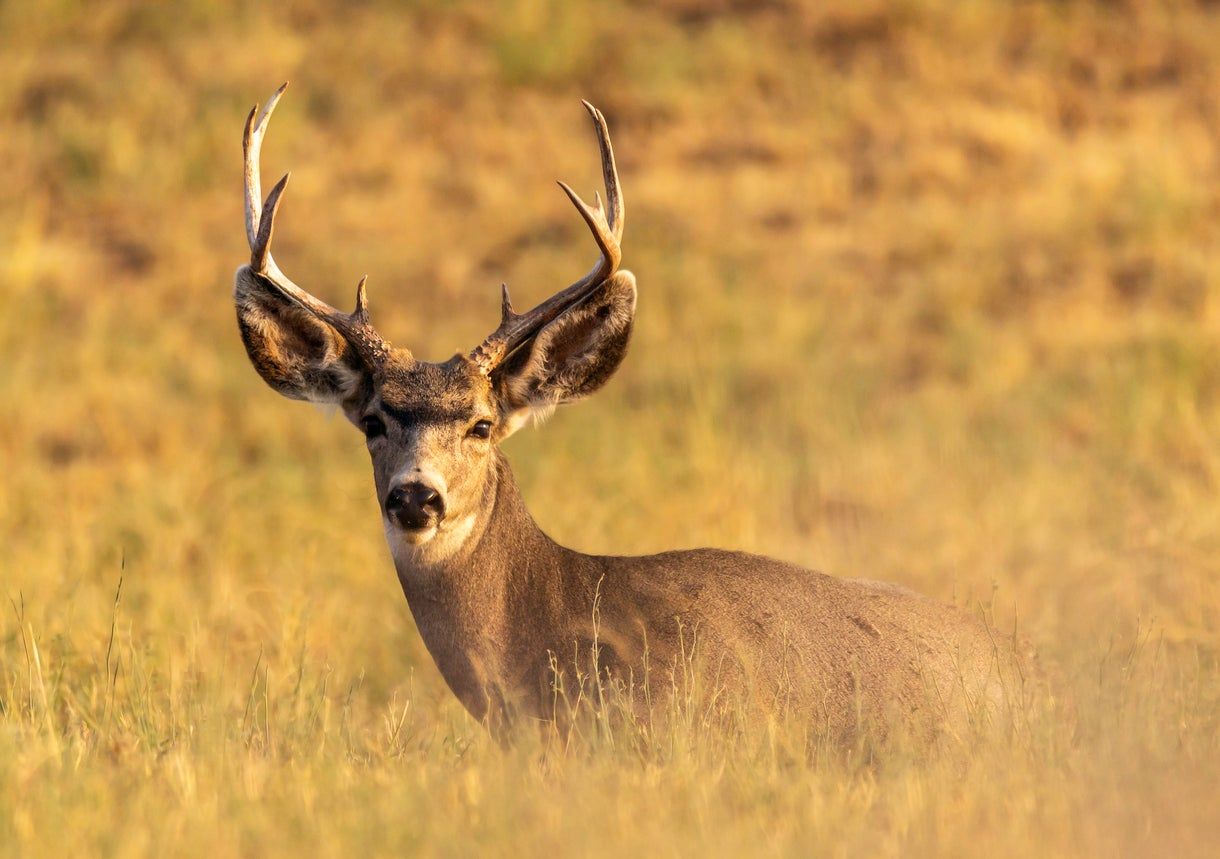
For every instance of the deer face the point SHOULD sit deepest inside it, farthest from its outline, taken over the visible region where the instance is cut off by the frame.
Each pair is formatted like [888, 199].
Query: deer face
[431, 428]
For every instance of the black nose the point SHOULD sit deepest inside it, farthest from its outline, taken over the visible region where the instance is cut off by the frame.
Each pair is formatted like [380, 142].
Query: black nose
[414, 505]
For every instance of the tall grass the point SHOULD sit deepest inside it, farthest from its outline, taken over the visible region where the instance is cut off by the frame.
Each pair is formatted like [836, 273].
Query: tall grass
[928, 295]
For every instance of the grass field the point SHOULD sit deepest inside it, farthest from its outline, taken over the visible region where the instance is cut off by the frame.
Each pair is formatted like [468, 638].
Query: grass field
[930, 293]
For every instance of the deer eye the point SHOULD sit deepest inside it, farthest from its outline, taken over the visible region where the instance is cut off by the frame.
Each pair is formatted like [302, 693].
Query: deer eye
[482, 429]
[373, 426]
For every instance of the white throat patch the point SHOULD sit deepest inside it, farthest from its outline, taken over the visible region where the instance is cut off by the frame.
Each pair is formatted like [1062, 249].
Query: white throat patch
[435, 547]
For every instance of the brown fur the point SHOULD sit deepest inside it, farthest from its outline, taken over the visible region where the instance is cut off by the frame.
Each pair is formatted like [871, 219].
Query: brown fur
[500, 619]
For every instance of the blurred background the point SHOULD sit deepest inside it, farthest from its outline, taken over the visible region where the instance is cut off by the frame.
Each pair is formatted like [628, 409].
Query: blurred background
[928, 293]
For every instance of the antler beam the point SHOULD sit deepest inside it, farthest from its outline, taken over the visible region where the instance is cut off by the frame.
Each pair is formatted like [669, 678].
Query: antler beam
[606, 224]
[260, 223]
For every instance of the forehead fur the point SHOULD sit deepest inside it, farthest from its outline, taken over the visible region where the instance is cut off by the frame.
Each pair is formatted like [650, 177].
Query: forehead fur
[418, 391]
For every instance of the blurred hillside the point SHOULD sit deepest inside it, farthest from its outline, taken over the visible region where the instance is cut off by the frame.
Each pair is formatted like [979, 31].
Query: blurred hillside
[929, 293]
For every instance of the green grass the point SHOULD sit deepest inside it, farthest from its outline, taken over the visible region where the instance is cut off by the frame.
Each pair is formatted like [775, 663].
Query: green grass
[928, 295]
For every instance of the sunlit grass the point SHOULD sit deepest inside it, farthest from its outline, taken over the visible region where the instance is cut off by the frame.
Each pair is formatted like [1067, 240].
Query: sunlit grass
[928, 295]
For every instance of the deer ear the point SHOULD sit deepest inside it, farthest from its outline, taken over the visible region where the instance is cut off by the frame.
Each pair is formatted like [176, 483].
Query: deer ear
[297, 354]
[570, 357]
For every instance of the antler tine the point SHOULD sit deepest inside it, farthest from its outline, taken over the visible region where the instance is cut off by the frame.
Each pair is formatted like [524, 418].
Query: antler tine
[603, 234]
[614, 197]
[260, 224]
[606, 225]
[252, 143]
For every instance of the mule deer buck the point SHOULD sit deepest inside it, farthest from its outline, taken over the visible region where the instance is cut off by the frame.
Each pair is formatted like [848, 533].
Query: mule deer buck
[506, 612]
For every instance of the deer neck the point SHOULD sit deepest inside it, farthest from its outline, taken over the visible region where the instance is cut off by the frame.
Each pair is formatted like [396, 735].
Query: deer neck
[468, 599]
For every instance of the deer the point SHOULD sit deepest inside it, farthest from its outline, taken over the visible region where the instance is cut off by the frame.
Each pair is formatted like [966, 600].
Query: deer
[506, 612]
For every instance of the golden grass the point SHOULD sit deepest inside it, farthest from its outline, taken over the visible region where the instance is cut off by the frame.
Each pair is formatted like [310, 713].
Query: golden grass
[928, 294]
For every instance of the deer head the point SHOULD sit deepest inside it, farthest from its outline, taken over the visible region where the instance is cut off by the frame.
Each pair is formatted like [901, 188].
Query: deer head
[432, 428]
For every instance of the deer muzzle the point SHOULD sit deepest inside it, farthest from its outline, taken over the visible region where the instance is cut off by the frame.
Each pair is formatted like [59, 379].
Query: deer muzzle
[415, 506]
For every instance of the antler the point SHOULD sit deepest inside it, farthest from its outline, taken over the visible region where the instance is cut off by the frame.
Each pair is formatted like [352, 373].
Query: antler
[607, 227]
[354, 326]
